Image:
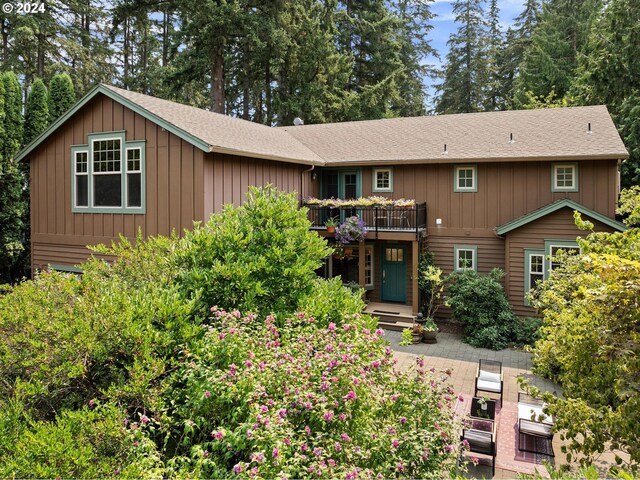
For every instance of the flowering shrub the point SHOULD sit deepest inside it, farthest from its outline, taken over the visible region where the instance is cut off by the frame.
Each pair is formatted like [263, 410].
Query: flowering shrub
[353, 229]
[297, 401]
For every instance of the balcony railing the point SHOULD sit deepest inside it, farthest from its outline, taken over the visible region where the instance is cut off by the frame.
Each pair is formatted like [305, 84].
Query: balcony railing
[377, 218]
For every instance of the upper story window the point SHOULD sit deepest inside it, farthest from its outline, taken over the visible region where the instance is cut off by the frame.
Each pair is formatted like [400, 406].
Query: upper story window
[382, 180]
[465, 257]
[564, 177]
[108, 175]
[465, 178]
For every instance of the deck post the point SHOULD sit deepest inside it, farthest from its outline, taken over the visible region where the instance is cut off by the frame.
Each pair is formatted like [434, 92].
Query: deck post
[415, 254]
[361, 264]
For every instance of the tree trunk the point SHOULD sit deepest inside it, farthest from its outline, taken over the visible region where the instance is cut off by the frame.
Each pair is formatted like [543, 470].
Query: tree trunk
[217, 79]
[245, 81]
[40, 62]
[5, 40]
[267, 92]
[125, 54]
[165, 39]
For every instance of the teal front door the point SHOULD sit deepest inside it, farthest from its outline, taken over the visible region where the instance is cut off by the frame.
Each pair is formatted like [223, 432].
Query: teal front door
[394, 274]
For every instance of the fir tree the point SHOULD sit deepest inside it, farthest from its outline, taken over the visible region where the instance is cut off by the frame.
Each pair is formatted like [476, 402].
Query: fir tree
[465, 72]
[36, 112]
[61, 96]
[12, 209]
[494, 90]
[609, 73]
[550, 61]
[13, 128]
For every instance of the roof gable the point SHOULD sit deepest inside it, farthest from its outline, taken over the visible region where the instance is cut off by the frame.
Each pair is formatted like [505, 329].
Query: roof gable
[208, 131]
[555, 206]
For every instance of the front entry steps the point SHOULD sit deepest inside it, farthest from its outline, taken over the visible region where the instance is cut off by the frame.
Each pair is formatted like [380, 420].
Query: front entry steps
[391, 316]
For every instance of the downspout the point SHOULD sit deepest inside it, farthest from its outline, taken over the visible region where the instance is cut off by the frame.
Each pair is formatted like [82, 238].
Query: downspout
[302, 172]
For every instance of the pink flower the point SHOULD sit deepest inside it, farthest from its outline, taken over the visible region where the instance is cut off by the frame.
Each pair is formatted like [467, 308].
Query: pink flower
[251, 355]
[400, 467]
[287, 441]
[221, 336]
[403, 420]
[375, 364]
[332, 327]
[331, 462]
[307, 430]
[394, 398]
[425, 454]
[257, 457]
[352, 475]
[144, 419]
[395, 443]
[304, 447]
[345, 438]
[262, 365]
[317, 451]
[328, 415]
[380, 332]
[342, 417]
[264, 409]
[207, 394]
[218, 434]
[248, 363]
[351, 395]
[275, 452]
[461, 398]
[237, 468]
[282, 413]
[337, 447]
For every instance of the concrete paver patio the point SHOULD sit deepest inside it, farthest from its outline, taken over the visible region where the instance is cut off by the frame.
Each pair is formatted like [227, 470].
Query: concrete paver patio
[451, 353]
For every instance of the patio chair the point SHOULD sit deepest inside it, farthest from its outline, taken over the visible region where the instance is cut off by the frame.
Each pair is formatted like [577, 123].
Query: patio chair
[532, 422]
[482, 441]
[489, 377]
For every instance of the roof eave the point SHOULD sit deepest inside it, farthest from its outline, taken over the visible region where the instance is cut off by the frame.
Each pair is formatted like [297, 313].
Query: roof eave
[265, 156]
[553, 207]
[447, 159]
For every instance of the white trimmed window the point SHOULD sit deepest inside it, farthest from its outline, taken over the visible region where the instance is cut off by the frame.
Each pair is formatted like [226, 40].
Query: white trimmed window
[551, 249]
[108, 175]
[534, 270]
[465, 257]
[564, 177]
[81, 173]
[382, 180]
[465, 178]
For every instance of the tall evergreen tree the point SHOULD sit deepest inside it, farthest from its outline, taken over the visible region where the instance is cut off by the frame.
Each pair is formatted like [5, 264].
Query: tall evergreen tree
[413, 38]
[12, 204]
[462, 89]
[36, 111]
[550, 61]
[12, 122]
[61, 96]
[609, 73]
[494, 97]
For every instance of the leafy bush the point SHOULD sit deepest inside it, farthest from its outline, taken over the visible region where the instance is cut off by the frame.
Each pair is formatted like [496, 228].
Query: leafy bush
[301, 400]
[330, 301]
[87, 443]
[260, 257]
[526, 330]
[480, 303]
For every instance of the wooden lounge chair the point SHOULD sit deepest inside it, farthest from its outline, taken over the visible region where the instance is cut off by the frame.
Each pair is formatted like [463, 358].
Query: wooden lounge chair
[529, 422]
[489, 377]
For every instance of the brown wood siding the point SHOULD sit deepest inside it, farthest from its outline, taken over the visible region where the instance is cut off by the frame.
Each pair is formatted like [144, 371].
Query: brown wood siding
[227, 179]
[506, 191]
[558, 225]
[174, 185]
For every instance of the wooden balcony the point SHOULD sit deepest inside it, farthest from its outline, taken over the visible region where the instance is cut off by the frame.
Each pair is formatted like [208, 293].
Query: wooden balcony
[380, 220]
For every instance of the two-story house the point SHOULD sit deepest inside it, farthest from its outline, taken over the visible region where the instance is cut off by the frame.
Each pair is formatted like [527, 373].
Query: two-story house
[484, 190]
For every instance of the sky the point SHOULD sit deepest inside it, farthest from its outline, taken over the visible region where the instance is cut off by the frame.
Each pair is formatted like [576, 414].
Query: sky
[444, 25]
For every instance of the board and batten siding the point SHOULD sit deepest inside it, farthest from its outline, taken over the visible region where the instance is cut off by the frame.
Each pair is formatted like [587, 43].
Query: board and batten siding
[174, 186]
[227, 179]
[558, 225]
[506, 191]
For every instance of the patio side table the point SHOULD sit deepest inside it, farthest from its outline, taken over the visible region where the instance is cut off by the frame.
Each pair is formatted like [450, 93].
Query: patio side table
[478, 412]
